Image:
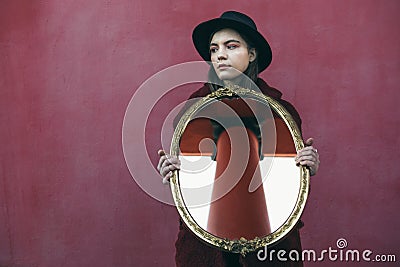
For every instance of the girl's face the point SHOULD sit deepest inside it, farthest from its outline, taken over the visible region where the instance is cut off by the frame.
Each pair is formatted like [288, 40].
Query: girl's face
[230, 55]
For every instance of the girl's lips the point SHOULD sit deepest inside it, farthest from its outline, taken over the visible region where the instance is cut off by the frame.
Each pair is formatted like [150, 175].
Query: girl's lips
[223, 66]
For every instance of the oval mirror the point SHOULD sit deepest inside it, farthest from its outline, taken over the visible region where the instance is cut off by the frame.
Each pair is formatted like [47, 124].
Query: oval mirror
[238, 188]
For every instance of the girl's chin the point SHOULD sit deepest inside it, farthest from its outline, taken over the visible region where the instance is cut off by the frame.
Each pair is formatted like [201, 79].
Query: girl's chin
[227, 77]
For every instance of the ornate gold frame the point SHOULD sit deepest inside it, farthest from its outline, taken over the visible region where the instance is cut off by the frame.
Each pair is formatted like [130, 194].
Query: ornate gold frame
[242, 245]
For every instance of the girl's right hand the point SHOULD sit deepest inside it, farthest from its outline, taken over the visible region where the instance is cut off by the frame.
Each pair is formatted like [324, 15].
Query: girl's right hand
[166, 165]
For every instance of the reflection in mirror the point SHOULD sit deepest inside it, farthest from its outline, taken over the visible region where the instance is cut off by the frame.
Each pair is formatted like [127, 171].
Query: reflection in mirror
[243, 164]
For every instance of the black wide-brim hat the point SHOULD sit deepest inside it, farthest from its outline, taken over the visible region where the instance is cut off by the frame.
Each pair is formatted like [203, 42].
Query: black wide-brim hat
[240, 22]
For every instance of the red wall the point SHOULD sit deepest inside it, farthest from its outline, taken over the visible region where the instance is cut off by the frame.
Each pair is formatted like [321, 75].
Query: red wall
[69, 68]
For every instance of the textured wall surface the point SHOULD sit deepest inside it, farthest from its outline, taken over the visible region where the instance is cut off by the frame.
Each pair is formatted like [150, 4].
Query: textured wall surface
[69, 68]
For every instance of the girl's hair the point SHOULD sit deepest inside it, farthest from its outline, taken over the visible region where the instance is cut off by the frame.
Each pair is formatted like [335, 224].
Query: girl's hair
[251, 72]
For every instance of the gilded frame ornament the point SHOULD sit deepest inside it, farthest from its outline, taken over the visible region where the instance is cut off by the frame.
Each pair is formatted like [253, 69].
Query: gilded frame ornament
[242, 245]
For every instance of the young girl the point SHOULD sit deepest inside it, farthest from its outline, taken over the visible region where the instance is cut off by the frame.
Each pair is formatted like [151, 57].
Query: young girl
[235, 47]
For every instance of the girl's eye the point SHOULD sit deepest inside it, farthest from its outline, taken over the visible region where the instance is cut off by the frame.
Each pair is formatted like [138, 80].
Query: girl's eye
[213, 49]
[232, 46]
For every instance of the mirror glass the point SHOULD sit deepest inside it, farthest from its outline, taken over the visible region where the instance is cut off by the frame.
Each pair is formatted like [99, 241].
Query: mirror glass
[238, 178]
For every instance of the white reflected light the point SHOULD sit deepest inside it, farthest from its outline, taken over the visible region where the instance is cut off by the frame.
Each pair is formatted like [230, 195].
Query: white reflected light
[281, 187]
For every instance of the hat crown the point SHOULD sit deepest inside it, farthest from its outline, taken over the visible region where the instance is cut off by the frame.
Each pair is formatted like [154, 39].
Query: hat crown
[239, 17]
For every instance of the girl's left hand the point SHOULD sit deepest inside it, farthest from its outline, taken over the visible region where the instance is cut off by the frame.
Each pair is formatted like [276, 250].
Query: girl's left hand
[308, 156]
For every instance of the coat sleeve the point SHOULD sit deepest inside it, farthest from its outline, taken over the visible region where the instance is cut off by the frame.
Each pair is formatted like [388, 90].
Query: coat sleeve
[203, 91]
[292, 110]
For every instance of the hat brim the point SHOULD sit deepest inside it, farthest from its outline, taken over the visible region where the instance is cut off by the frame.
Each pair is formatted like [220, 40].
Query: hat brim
[202, 34]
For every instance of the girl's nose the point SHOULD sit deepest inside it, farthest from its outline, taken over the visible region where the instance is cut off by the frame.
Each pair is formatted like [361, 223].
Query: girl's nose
[221, 55]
